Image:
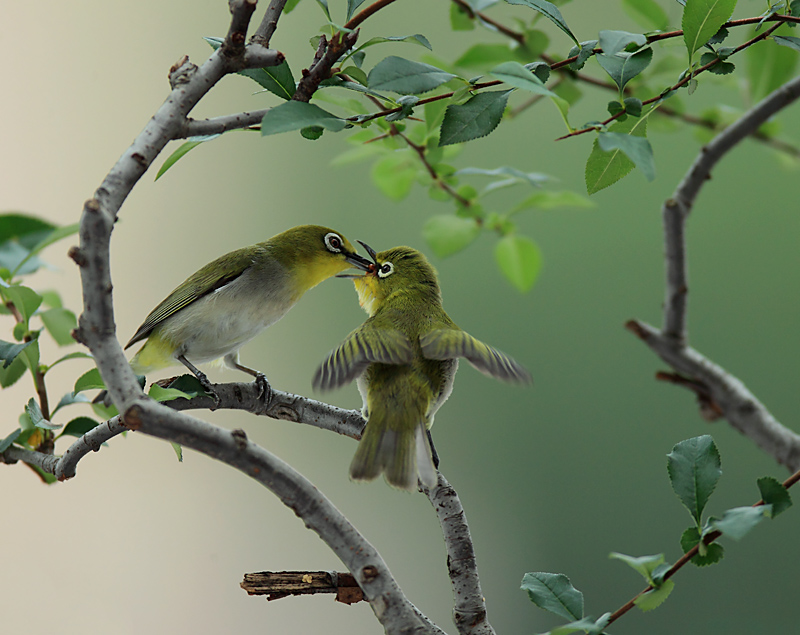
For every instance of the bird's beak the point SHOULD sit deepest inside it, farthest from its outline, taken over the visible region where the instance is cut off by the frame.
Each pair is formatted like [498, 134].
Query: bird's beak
[359, 262]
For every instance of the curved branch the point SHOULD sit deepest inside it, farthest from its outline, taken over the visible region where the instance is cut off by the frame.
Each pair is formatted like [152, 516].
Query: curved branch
[469, 611]
[739, 406]
[269, 23]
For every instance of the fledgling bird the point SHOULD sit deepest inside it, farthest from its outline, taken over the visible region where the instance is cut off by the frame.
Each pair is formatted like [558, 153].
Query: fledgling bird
[404, 358]
[232, 299]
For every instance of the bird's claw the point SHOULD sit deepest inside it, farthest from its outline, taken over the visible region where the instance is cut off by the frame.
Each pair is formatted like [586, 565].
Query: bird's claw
[264, 389]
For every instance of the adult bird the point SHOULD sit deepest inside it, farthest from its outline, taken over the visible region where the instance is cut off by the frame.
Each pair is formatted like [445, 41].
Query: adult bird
[404, 358]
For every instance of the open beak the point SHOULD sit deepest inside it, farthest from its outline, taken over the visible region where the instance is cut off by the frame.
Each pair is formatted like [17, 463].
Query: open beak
[359, 262]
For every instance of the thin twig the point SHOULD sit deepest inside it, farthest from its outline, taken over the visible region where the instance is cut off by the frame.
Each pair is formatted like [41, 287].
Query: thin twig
[269, 23]
[372, 9]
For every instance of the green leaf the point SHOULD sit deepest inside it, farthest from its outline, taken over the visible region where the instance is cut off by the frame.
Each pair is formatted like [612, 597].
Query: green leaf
[476, 118]
[60, 323]
[485, 56]
[352, 5]
[13, 254]
[694, 470]
[702, 19]
[324, 5]
[637, 149]
[37, 418]
[30, 356]
[606, 168]
[188, 385]
[296, 115]
[460, 19]
[774, 493]
[623, 67]
[178, 451]
[79, 426]
[448, 234]
[395, 174]
[69, 399]
[73, 355]
[546, 199]
[9, 351]
[403, 76]
[643, 565]
[182, 151]
[554, 592]
[9, 376]
[25, 229]
[24, 299]
[769, 67]
[786, 40]
[587, 625]
[6, 443]
[647, 12]
[519, 259]
[276, 79]
[509, 176]
[737, 522]
[613, 42]
[550, 11]
[90, 380]
[417, 38]
[158, 393]
[584, 51]
[714, 552]
[57, 234]
[515, 74]
[654, 597]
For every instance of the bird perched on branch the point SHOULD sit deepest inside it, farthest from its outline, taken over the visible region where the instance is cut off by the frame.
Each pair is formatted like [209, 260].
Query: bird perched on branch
[232, 299]
[404, 358]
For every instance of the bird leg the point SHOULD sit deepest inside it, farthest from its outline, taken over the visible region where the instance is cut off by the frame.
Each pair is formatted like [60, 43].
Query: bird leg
[201, 377]
[264, 389]
[434, 454]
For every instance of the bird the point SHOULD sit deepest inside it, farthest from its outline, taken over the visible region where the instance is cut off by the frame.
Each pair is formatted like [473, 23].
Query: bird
[225, 304]
[404, 358]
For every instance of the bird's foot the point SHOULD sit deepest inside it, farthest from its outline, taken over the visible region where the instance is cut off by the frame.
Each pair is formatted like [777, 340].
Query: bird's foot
[209, 388]
[264, 389]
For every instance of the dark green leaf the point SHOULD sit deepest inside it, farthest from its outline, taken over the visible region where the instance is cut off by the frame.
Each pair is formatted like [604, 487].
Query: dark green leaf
[633, 106]
[612, 42]
[714, 552]
[774, 493]
[737, 522]
[606, 168]
[623, 67]
[60, 323]
[187, 384]
[614, 108]
[9, 351]
[554, 592]
[584, 51]
[9, 376]
[296, 115]
[702, 19]
[16, 257]
[276, 79]
[403, 76]
[550, 11]
[540, 69]
[79, 426]
[647, 12]
[182, 150]
[69, 399]
[448, 235]
[312, 132]
[519, 260]
[718, 37]
[694, 470]
[786, 40]
[476, 118]
[89, 380]
[515, 74]
[6, 443]
[57, 234]
[25, 229]
[637, 149]
[37, 418]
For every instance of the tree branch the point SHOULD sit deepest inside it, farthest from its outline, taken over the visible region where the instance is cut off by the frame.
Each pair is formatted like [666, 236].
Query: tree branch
[269, 23]
[469, 610]
[739, 406]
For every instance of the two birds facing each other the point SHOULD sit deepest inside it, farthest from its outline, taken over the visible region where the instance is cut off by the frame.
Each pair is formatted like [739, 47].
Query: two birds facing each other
[404, 357]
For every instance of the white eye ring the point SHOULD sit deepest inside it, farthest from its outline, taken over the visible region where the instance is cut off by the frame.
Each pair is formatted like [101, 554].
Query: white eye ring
[334, 242]
[386, 270]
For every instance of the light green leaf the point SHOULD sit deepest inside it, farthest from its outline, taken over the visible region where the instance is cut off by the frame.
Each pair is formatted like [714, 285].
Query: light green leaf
[24, 299]
[90, 380]
[554, 592]
[485, 56]
[447, 234]
[60, 323]
[637, 149]
[606, 168]
[403, 76]
[515, 74]
[158, 393]
[395, 174]
[296, 115]
[550, 11]
[586, 625]
[655, 597]
[178, 451]
[460, 19]
[519, 259]
[774, 493]
[647, 12]
[702, 19]
[613, 42]
[546, 199]
[68, 356]
[739, 521]
[643, 565]
[352, 5]
[276, 79]
[694, 470]
[417, 38]
[623, 67]
[476, 118]
[324, 5]
[770, 67]
[182, 151]
[786, 40]
[37, 418]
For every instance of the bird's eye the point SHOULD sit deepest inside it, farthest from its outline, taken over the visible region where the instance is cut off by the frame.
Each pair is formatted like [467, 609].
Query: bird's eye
[387, 269]
[333, 242]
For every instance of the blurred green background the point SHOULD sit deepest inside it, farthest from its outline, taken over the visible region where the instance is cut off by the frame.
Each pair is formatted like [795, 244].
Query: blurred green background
[553, 478]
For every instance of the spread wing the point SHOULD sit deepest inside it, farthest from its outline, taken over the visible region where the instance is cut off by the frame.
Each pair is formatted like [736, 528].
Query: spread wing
[364, 346]
[453, 343]
[213, 276]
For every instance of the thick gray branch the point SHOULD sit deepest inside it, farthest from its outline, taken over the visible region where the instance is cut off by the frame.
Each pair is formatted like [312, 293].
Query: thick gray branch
[269, 23]
[469, 610]
[715, 387]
